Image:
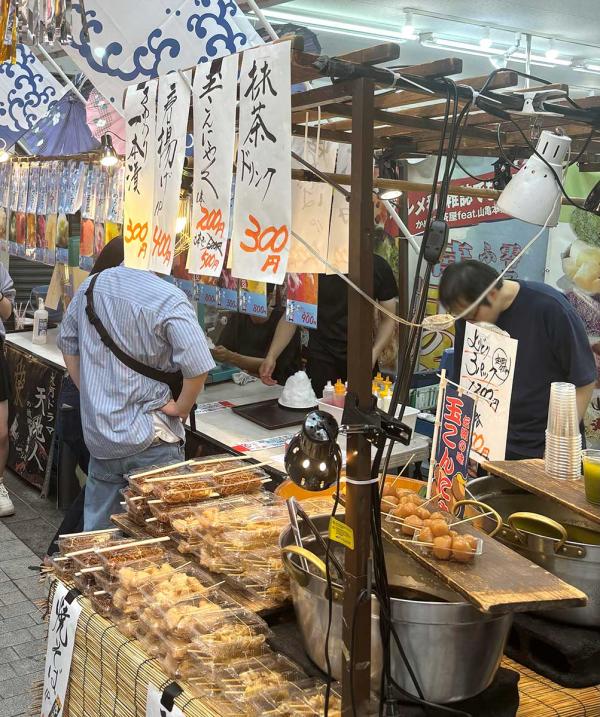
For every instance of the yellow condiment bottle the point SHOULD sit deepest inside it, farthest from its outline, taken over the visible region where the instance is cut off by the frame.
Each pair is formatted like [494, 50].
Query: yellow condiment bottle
[339, 394]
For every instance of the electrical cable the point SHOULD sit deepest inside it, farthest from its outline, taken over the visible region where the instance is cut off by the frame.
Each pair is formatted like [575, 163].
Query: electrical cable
[501, 147]
[582, 150]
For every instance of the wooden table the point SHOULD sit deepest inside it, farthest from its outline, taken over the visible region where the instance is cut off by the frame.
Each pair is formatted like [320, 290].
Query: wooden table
[531, 476]
[497, 581]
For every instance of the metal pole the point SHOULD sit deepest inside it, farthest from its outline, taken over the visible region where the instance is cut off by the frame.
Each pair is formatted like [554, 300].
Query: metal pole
[356, 634]
[263, 20]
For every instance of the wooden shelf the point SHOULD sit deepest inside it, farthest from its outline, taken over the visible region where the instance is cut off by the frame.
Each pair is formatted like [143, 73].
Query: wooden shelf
[497, 581]
[531, 476]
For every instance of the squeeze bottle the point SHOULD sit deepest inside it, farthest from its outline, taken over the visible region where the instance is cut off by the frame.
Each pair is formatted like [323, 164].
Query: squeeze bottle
[339, 394]
[328, 393]
[40, 324]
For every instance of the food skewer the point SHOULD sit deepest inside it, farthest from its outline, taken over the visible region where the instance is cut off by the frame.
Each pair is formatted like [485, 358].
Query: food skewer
[134, 544]
[208, 461]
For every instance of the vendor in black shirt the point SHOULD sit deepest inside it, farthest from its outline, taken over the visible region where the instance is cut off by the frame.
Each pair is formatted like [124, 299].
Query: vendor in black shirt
[553, 345]
[327, 344]
[245, 340]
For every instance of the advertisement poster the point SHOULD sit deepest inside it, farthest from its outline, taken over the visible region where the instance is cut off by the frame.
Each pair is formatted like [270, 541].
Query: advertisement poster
[477, 231]
[454, 432]
[227, 291]
[302, 297]
[253, 297]
[487, 371]
[573, 267]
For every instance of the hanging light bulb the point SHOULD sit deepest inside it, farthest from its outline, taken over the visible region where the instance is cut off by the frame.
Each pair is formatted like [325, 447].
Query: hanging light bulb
[108, 157]
[486, 41]
[4, 154]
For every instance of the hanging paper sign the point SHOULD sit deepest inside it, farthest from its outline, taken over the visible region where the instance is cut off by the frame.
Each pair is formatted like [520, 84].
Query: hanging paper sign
[53, 187]
[140, 154]
[5, 179]
[63, 190]
[34, 185]
[114, 206]
[171, 125]
[23, 187]
[75, 182]
[454, 432]
[339, 230]
[253, 297]
[263, 208]
[88, 204]
[62, 627]
[214, 140]
[161, 704]
[302, 296]
[311, 206]
[487, 370]
[4, 212]
[42, 204]
[15, 184]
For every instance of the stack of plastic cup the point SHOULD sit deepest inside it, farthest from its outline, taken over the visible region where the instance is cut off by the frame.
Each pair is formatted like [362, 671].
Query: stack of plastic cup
[563, 438]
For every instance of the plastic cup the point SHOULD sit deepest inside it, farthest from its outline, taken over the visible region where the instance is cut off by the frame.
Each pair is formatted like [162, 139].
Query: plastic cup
[591, 475]
[563, 419]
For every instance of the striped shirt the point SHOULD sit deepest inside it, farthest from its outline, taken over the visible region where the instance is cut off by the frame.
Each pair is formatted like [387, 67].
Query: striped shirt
[153, 322]
[7, 287]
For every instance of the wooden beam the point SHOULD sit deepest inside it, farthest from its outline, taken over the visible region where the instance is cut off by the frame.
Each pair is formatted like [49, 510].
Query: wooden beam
[322, 96]
[303, 71]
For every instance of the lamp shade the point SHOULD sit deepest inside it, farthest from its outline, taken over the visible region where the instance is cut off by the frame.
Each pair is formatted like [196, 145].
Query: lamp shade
[533, 195]
[313, 459]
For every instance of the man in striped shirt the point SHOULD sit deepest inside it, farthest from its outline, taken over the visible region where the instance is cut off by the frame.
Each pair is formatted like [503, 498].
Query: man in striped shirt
[129, 420]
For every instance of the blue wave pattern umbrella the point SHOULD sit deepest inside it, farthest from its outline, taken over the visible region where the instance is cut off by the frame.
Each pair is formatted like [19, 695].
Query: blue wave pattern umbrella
[63, 131]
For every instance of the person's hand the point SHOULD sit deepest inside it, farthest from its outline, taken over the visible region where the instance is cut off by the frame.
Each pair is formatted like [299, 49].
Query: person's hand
[173, 410]
[265, 371]
[220, 353]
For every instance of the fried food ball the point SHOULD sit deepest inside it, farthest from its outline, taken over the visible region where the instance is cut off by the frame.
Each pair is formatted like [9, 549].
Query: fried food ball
[411, 524]
[461, 550]
[452, 533]
[389, 490]
[425, 536]
[423, 513]
[404, 510]
[438, 516]
[472, 541]
[427, 523]
[416, 499]
[439, 528]
[388, 502]
[442, 547]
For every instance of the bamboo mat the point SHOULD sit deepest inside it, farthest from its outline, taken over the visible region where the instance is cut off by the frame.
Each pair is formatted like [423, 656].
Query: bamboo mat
[540, 697]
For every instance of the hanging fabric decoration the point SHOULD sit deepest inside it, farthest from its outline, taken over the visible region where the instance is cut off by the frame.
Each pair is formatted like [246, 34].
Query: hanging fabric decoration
[140, 154]
[263, 204]
[171, 126]
[311, 206]
[214, 139]
[131, 42]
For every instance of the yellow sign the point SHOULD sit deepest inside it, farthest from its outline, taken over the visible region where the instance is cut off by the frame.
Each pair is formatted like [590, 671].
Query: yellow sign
[341, 533]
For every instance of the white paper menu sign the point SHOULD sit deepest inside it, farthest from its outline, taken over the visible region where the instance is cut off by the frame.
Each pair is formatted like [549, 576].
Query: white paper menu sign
[214, 142]
[262, 211]
[172, 111]
[487, 370]
[140, 156]
[155, 707]
[59, 653]
[311, 207]
[339, 229]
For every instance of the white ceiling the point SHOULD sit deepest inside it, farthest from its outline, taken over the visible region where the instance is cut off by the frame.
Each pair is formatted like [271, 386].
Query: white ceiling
[575, 25]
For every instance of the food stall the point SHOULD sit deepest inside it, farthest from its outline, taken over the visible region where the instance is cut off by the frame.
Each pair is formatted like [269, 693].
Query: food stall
[194, 603]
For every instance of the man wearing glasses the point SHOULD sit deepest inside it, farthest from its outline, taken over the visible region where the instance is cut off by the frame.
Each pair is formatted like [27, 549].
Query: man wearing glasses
[553, 345]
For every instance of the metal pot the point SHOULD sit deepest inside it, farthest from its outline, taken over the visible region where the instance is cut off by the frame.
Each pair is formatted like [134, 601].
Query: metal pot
[550, 535]
[453, 649]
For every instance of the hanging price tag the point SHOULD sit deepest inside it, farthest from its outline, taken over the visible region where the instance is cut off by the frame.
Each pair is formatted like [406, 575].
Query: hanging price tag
[161, 704]
[59, 653]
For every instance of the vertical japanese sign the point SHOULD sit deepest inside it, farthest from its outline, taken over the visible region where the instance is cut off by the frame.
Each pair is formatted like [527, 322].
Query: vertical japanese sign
[59, 653]
[214, 142]
[452, 442]
[302, 297]
[262, 209]
[140, 155]
[487, 370]
[171, 126]
[311, 207]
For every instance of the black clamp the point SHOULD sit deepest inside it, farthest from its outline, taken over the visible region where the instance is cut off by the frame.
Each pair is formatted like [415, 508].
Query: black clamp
[169, 695]
[373, 423]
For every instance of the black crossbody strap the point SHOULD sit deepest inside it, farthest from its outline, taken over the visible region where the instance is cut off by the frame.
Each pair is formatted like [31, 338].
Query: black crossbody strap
[173, 379]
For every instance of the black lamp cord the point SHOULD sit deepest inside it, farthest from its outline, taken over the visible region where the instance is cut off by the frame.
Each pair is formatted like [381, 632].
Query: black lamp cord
[329, 604]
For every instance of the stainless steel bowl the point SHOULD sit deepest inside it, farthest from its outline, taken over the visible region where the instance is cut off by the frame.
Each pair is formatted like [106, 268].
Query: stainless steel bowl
[453, 649]
[550, 535]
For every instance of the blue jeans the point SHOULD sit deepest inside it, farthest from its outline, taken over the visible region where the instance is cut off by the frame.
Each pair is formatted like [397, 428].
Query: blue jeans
[106, 479]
